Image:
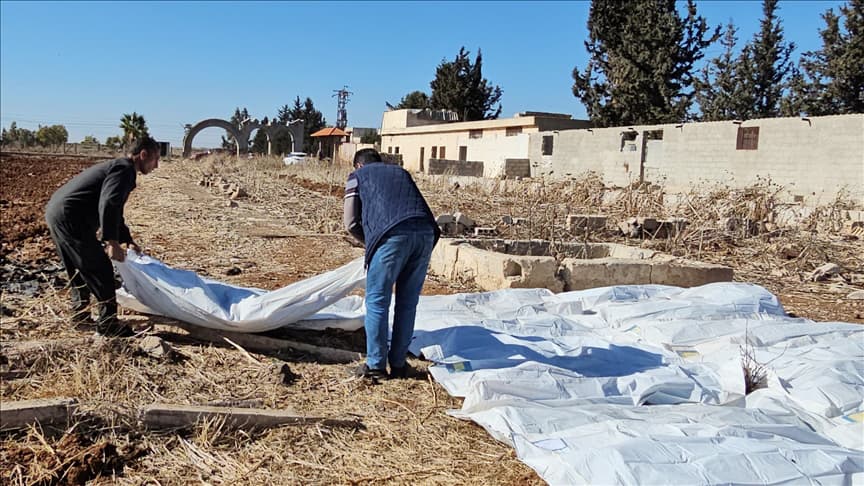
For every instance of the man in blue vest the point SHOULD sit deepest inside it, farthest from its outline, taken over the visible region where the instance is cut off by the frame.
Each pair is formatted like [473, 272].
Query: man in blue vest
[386, 212]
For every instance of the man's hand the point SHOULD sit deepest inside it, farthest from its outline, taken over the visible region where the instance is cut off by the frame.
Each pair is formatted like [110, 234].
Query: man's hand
[134, 247]
[115, 251]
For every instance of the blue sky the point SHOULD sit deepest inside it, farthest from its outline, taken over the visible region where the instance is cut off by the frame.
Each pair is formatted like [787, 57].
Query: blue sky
[84, 64]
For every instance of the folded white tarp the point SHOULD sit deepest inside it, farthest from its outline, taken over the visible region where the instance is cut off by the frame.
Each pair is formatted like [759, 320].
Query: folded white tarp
[152, 287]
[634, 384]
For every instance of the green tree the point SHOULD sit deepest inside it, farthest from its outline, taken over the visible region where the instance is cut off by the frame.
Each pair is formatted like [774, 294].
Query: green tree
[460, 86]
[52, 136]
[371, 137]
[313, 119]
[21, 137]
[719, 90]
[90, 139]
[114, 142]
[237, 119]
[641, 62]
[769, 57]
[414, 100]
[281, 142]
[134, 127]
[831, 79]
[259, 141]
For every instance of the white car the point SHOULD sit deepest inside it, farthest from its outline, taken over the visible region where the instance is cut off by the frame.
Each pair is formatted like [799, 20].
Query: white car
[294, 158]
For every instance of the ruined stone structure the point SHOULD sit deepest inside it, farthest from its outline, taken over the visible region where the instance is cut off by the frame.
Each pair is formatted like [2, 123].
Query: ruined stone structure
[242, 134]
[502, 264]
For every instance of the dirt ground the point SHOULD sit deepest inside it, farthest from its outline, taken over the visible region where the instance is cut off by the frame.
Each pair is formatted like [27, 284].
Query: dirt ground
[285, 228]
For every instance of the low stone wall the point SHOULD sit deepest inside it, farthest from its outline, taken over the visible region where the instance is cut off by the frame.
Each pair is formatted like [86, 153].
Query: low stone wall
[501, 264]
[455, 167]
[517, 168]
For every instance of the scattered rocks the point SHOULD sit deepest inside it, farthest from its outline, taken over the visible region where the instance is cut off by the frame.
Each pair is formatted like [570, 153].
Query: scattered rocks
[455, 224]
[233, 271]
[856, 295]
[231, 189]
[155, 347]
[825, 272]
[280, 373]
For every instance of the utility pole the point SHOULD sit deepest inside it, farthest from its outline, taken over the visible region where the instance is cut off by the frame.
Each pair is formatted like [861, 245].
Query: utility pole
[341, 112]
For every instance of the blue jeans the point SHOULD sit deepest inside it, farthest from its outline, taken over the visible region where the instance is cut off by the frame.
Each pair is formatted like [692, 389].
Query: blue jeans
[402, 258]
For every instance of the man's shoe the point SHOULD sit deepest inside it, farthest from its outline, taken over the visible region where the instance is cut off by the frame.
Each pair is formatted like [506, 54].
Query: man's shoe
[114, 328]
[82, 318]
[407, 371]
[365, 372]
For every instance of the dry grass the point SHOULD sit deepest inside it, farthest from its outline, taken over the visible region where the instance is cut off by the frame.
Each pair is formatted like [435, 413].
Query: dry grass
[289, 227]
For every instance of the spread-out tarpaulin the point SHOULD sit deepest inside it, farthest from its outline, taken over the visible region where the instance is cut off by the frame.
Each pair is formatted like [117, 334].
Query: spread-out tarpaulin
[639, 384]
[153, 287]
[645, 385]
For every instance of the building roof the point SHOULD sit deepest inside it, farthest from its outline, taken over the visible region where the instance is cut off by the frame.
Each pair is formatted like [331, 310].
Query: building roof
[329, 132]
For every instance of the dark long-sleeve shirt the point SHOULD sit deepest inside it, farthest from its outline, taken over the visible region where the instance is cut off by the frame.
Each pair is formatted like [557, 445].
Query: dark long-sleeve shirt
[95, 198]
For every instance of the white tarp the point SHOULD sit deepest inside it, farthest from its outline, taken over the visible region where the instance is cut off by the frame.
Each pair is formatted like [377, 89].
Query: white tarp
[644, 384]
[152, 287]
[620, 385]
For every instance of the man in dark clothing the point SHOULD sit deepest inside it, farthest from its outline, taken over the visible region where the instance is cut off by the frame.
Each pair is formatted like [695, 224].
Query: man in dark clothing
[94, 200]
[386, 212]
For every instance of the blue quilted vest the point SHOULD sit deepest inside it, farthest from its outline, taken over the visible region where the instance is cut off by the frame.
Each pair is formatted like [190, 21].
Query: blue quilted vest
[388, 196]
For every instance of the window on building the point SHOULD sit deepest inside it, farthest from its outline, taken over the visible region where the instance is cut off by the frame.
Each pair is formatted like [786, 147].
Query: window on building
[389, 150]
[548, 140]
[475, 133]
[513, 131]
[463, 152]
[422, 160]
[441, 152]
[748, 138]
[654, 135]
[628, 140]
[397, 150]
[434, 152]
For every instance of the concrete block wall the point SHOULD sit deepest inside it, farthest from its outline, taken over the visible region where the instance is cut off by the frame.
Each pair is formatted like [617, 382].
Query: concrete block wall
[812, 158]
[517, 167]
[455, 167]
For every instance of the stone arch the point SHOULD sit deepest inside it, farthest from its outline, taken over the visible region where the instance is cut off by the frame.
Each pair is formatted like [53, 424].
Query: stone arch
[241, 135]
[242, 142]
[274, 130]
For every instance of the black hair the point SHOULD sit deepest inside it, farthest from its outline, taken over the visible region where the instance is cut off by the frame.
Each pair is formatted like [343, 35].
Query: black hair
[145, 143]
[366, 156]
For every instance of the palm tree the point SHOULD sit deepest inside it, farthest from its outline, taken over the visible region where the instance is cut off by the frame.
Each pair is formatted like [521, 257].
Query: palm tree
[134, 127]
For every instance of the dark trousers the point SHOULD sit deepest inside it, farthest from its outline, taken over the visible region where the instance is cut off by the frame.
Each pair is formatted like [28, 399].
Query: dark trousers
[89, 268]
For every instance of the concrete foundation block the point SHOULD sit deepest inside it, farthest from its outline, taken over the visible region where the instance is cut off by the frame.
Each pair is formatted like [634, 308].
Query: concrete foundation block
[478, 231]
[444, 219]
[684, 273]
[464, 220]
[585, 222]
[580, 274]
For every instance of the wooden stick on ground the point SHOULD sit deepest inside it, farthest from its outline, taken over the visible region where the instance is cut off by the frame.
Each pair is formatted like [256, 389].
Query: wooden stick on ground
[258, 343]
[158, 416]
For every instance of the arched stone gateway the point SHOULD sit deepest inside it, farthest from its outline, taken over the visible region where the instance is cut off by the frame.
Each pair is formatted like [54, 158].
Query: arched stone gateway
[241, 135]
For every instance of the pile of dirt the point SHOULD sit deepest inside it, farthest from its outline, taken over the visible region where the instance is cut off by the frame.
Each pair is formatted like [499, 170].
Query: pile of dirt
[29, 180]
[70, 460]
